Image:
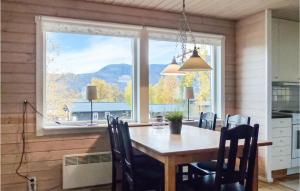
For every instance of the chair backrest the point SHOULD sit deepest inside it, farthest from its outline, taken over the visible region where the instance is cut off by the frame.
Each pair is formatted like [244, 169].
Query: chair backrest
[114, 136]
[235, 120]
[208, 120]
[127, 155]
[226, 173]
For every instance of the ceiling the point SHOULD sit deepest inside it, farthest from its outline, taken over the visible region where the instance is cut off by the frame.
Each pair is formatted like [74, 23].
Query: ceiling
[228, 9]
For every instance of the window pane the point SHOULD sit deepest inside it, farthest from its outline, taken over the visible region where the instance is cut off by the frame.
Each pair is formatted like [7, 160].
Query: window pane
[166, 93]
[74, 61]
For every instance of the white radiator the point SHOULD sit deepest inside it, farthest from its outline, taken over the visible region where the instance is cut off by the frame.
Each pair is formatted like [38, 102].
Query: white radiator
[88, 169]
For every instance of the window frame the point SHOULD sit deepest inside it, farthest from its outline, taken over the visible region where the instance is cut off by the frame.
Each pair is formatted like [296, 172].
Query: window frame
[140, 74]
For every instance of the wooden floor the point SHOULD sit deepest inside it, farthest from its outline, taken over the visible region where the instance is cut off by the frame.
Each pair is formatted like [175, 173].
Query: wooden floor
[275, 186]
[262, 186]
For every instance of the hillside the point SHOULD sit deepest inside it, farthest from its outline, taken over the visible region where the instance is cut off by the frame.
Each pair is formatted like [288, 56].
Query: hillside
[113, 74]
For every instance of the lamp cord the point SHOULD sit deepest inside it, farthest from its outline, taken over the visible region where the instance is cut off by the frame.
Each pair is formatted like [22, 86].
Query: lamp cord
[24, 121]
[24, 117]
[23, 141]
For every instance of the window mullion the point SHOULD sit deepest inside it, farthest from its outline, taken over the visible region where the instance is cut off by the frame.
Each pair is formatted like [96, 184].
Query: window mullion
[143, 78]
[135, 51]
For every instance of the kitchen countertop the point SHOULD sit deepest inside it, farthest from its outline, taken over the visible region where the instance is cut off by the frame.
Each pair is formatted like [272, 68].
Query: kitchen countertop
[280, 115]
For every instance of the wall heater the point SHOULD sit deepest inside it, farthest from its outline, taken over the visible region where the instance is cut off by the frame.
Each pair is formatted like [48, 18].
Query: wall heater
[88, 169]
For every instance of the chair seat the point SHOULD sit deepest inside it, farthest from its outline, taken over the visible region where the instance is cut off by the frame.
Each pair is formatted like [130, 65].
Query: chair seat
[208, 167]
[206, 183]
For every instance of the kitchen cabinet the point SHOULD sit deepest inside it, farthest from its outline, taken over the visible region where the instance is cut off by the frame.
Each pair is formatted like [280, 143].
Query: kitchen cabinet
[285, 50]
[281, 134]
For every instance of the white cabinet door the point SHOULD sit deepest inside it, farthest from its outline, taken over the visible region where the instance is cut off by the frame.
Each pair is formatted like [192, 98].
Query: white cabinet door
[288, 50]
[275, 50]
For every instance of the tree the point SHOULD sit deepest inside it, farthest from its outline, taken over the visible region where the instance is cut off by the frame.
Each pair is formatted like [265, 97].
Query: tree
[165, 91]
[107, 92]
[205, 89]
[188, 79]
[59, 97]
[128, 93]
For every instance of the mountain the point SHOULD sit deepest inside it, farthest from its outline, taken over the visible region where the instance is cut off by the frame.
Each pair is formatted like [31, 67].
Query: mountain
[154, 74]
[117, 74]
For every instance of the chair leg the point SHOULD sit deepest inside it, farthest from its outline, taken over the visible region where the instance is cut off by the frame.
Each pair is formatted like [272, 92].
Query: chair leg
[114, 178]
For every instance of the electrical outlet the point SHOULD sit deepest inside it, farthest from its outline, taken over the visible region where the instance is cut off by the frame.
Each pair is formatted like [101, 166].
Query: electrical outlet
[32, 184]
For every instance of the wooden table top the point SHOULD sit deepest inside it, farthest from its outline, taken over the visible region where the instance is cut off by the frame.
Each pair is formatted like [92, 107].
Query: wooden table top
[191, 139]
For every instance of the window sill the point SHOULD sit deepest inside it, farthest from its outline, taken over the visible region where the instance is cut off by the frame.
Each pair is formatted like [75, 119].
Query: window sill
[97, 128]
[69, 129]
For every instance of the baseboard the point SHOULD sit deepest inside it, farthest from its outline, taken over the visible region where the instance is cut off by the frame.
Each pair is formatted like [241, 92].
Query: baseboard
[264, 179]
[294, 170]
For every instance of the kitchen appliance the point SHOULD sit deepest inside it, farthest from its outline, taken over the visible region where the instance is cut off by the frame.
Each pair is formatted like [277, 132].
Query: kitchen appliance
[295, 137]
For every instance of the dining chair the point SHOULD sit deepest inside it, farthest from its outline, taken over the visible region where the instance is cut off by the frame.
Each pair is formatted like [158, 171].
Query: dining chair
[137, 176]
[235, 120]
[115, 145]
[209, 167]
[231, 176]
[208, 120]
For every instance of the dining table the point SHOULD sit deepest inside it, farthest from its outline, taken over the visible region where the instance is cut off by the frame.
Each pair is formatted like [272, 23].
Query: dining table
[192, 145]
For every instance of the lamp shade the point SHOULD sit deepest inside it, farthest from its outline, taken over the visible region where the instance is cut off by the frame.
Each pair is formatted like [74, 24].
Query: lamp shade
[172, 69]
[189, 93]
[195, 63]
[91, 92]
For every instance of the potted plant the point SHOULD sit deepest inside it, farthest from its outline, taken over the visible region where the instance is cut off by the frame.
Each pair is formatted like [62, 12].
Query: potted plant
[175, 121]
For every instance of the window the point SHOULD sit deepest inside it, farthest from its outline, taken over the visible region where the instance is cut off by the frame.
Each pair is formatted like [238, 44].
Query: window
[72, 54]
[75, 60]
[166, 93]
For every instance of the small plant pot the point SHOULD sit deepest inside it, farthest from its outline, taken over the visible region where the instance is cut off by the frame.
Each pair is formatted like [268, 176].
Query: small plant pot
[175, 127]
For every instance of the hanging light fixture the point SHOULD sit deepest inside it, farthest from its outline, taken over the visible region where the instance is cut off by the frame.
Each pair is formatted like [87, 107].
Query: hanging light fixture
[195, 62]
[172, 69]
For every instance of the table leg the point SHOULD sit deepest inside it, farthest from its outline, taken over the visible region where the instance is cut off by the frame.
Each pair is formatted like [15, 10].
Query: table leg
[170, 175]
[255, 178]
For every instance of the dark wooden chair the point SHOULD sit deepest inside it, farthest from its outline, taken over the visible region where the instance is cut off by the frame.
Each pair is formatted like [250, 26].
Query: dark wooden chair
[209, 167]
[137, 176]
[208, 120]
[235, 120]
[229, 175]
[115, 145]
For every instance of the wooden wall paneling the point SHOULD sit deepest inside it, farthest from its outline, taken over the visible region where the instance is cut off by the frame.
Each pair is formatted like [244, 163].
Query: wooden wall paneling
[251, 74]
[44, 154]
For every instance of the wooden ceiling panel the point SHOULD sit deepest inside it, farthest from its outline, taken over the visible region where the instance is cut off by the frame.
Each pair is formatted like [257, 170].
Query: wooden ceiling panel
[228, 9]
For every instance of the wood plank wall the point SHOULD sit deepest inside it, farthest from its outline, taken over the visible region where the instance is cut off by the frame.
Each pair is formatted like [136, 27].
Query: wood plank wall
[251, 75]
[44, 154]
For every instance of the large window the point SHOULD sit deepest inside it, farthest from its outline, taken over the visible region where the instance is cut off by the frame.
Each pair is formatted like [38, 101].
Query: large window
[74, 61]
[167, 93]
[73, 54]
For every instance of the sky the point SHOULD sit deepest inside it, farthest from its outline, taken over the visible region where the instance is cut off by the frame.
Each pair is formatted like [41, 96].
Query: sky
[85, 53]
[80, 53]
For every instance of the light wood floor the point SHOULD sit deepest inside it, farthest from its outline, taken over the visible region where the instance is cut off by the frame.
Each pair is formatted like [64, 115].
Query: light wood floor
[277, 186]
[262, 186]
